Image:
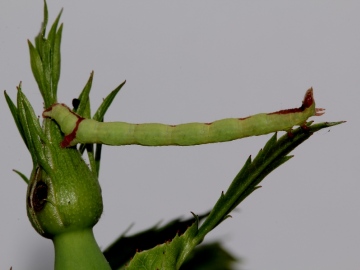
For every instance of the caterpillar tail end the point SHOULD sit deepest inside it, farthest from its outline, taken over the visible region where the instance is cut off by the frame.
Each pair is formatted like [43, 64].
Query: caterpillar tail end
[319, 111]
[309, 101]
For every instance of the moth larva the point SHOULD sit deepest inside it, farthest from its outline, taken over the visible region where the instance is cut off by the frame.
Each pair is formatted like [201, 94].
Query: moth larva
[81, 130]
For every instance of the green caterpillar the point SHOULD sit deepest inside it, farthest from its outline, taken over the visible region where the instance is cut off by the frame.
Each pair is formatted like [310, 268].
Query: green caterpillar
[81, 130]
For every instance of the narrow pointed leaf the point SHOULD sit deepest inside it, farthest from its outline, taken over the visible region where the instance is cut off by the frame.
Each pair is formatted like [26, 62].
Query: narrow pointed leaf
[53, 30]
[100, 113]
[56, 61]
[84, 109]
[37, 69]
[23, 177]
[40, 37]
[24, 124]
[15, 114]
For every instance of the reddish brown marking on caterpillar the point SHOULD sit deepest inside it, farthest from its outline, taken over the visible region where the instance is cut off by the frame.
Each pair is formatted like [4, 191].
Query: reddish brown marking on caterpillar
[307, 102]
[287, 111]
[308, 99]
[244, 118]
[55, 104]
[208, 123]
[69, 138]
[48, 109]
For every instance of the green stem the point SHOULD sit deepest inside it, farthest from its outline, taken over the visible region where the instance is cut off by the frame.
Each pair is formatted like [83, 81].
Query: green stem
[78, 250]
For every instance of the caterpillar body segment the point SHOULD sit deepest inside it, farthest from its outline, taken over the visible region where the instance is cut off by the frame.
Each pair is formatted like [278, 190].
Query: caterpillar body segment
[81, 130]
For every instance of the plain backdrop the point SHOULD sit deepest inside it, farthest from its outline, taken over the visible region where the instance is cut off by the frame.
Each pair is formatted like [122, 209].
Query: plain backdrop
[200, 61]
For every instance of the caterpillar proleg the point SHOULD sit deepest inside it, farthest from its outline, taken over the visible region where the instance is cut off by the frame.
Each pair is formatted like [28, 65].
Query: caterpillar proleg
[81, 130]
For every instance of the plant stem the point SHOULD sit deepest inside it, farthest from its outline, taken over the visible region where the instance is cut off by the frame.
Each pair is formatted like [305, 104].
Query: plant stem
[78, 250]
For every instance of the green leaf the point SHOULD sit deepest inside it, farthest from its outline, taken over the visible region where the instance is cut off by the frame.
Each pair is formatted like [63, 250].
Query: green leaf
[45, 59]
[211, 256]
[125, 247]
[169, 255]
[100, 113]
[253, 172]
[37, 69]
[84, 109]
[54, 40]
[41, 35]
[27, 131]
[15, 114]
[56, 60]
[23, 177]
[34, 135]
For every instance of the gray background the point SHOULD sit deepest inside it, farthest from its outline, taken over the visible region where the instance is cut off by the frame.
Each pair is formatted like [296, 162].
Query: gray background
[201, 61]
